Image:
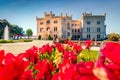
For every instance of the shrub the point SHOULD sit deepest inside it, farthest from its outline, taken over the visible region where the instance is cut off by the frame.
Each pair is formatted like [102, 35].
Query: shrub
[10, 41]
[49, 37]
[20, 40]
[113, 37]
[27, 40]
[39, 37]
[6, 41]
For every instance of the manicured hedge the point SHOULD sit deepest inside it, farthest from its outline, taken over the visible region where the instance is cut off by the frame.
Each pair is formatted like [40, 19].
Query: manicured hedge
[6, 41]
[28, 40]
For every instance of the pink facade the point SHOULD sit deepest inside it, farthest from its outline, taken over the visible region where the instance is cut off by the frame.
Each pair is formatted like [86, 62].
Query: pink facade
[61, 26]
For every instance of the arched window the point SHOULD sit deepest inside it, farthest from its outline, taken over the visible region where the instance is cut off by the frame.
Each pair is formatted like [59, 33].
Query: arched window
[88, 29]
[98, 22]
[75, 37]
[68, 34]
[55, 21]
[78, 30]
[98, 29]
[98, 36]
[88, 36]
[75, 30]
[88, 22]
[48, 21]
[41, 29]
[68, 25]
[55, 28]
[72, 30]
[48, 28]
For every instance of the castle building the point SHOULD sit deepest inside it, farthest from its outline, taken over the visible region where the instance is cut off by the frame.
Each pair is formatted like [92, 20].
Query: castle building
[63, 26]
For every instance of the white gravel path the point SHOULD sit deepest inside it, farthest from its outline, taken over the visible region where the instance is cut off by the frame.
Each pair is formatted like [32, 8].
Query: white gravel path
[17, 48]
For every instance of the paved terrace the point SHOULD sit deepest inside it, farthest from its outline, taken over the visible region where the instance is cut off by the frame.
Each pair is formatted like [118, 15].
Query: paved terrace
[20, 47]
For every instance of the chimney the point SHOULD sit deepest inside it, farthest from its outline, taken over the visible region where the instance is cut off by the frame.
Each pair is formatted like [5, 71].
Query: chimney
[36, 17]
[61, 14]
[45, 13]
[50, 12]
[91, 13]
[66, 14]
[104, 14]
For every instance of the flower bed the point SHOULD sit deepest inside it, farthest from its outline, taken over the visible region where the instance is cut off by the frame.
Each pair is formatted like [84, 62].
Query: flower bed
[60, 62]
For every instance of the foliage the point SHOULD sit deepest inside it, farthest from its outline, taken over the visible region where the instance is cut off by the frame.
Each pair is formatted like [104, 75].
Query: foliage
[13, 29]
[24, 40]
[20, 40]
[29, 32]
[49, 37]
[6, 41]
[16, 30]
[28, 40]
[83, 56]
[39, 37]
[113, 37]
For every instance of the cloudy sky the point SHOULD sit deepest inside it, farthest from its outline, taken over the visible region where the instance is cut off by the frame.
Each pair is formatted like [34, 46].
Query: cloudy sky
[24, 12]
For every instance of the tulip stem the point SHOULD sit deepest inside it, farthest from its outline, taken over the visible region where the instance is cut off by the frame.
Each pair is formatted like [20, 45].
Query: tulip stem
[88, 54]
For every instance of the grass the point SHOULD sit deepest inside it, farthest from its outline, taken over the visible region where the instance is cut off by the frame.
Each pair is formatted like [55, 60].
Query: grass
[85, 54]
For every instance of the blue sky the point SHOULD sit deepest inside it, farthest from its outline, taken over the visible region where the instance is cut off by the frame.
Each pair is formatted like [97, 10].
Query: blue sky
[24, 12]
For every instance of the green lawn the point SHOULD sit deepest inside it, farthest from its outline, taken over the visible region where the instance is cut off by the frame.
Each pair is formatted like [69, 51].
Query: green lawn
[84, 55]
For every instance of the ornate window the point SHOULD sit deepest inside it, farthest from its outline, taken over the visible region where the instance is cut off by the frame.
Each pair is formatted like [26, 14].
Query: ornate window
[68, 33]
[88, 29]
[72, 24]
[75, 37]
[55, 35]
[75, 30]
[41, 23]
[55, 22]
[88, 22]
[41, 29]
[48, 22]
[98, 36]
[98, 29]
[72, 30]
[68, 25]
[48, 28]
[98, 22]
[88, 36]
[55, 28]
[78, 36]
[78, 30]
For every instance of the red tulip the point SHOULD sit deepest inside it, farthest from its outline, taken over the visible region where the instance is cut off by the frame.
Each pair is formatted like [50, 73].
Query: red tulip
[88, 44]
[112, 52]
[2, 55]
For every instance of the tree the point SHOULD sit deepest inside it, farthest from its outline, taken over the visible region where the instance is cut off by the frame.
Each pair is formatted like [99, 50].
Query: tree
[49, 37]
[13, 29]
[39, 37]
[29, 32]
[113, 37]
[16, 30]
